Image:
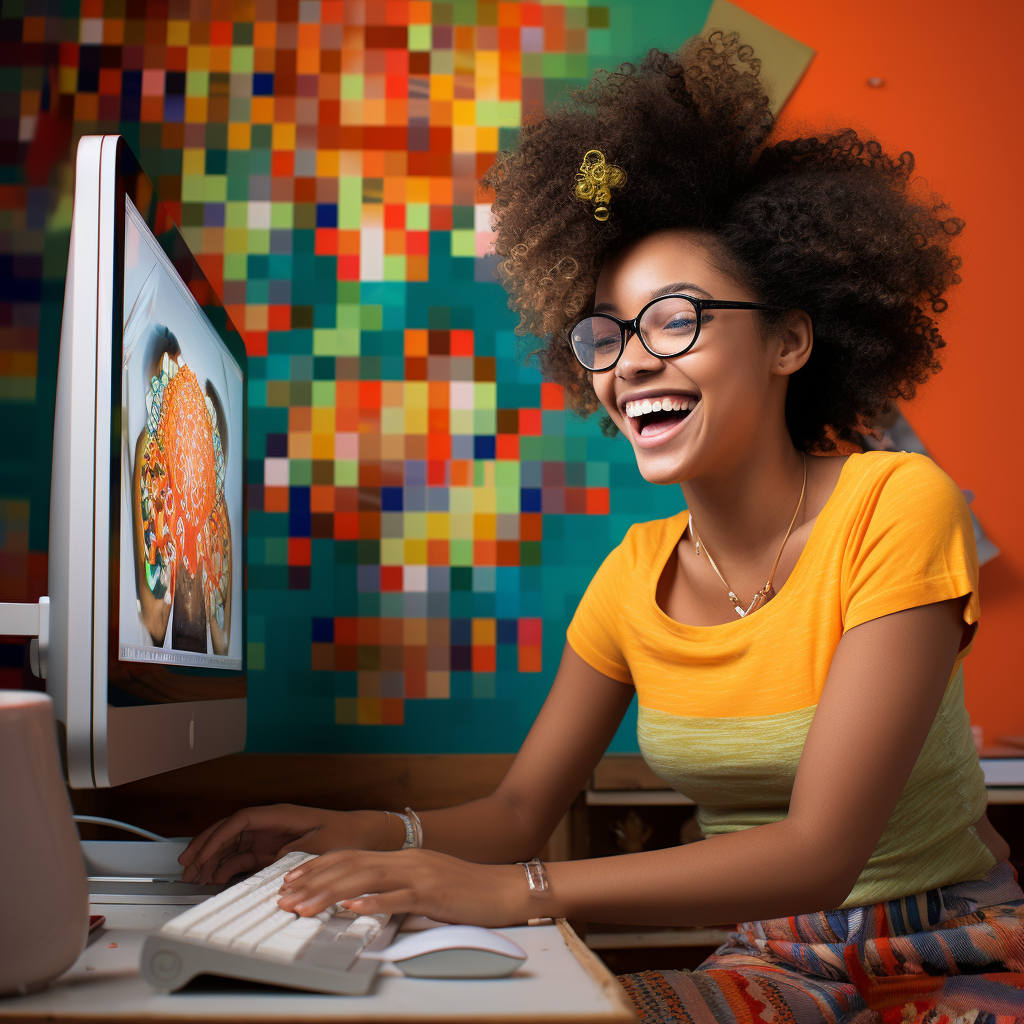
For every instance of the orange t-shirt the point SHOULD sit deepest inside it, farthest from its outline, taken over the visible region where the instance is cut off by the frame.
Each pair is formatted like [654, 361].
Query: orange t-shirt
[724, 709]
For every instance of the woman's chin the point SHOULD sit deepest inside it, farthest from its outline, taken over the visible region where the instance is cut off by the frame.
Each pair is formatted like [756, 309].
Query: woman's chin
[664, 468]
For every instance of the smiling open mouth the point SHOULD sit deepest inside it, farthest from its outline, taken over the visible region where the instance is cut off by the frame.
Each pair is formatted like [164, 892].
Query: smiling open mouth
[652, 417]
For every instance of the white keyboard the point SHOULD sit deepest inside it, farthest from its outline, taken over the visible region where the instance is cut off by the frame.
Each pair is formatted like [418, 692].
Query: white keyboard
[241, 933]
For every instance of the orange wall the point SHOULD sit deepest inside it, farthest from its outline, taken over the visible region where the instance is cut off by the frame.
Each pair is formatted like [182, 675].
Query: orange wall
[952, 96]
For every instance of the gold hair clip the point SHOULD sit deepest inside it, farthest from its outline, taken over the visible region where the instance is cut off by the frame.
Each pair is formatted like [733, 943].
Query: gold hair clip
[595, 180]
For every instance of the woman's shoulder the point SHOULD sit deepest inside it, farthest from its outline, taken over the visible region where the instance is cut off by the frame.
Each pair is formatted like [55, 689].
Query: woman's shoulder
[908, 538]
[901, 482]
[642, 542]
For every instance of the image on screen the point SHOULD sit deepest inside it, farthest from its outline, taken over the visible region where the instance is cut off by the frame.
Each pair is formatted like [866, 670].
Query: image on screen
[181, 471]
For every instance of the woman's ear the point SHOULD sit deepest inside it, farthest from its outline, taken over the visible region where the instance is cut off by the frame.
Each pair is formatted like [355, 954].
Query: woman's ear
[793, 341]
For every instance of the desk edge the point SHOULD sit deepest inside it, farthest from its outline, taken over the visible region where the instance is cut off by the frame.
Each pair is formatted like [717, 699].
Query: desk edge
[597, 970]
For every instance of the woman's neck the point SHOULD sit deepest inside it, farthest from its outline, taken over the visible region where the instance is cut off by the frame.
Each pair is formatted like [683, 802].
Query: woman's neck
[743, 512]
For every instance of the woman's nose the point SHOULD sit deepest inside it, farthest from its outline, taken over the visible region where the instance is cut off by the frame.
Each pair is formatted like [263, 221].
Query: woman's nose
[635, 358]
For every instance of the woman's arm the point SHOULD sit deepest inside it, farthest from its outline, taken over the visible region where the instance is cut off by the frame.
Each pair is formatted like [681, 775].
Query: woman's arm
[574, 727]
[883, 690]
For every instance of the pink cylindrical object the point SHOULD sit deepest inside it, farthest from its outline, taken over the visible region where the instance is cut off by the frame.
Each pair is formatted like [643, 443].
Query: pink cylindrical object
[45, 903]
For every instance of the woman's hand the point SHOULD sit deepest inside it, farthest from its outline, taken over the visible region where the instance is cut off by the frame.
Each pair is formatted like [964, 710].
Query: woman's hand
[252, 838]
[423, 882]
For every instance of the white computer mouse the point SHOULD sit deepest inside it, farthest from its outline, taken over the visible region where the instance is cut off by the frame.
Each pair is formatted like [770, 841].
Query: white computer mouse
[454, 951]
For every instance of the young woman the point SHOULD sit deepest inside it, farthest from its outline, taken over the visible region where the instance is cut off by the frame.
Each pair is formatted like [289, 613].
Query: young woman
[738, 306]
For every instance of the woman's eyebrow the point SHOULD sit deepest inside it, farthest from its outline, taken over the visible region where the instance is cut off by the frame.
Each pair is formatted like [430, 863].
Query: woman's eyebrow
[668, 289]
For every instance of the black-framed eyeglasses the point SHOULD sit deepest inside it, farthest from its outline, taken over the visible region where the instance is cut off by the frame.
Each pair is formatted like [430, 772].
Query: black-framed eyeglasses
[667, 326]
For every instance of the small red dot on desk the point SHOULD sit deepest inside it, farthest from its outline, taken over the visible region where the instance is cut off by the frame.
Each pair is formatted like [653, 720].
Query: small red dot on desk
[111, 945]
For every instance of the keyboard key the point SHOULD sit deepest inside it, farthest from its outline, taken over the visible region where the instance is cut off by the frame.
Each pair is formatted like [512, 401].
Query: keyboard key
[248, 941]
[225, 935]
[194, 915]
[292, 940]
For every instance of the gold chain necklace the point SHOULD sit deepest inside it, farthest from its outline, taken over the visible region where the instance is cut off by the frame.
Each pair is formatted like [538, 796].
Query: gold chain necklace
[764, 591]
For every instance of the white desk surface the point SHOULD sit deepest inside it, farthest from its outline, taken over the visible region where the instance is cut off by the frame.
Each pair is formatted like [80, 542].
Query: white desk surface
[561, 983]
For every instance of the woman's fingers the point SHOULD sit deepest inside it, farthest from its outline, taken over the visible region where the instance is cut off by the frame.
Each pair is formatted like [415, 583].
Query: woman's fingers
[398, 901]
[237, 832]
[343, 877]
[306, 843]
[188, 855]
[409, 881]
[245, 860]
[347, 876]
[226, 835]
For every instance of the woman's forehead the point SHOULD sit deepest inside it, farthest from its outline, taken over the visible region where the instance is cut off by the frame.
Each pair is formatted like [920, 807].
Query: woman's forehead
[651, 264]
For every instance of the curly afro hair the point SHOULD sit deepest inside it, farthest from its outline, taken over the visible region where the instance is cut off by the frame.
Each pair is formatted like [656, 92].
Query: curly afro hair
[828, 224]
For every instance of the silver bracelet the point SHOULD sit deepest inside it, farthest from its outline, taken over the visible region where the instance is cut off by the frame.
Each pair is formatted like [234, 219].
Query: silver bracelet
[535, 874]
[413, 829]
[417, 829]
[410, 835]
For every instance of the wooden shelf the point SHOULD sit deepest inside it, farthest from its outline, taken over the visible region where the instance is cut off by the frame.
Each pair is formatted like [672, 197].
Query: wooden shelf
[636, 798]
[1005, 794]
[655, 939]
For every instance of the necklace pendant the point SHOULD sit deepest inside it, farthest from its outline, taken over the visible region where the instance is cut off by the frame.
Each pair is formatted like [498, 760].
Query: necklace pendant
[739, 611]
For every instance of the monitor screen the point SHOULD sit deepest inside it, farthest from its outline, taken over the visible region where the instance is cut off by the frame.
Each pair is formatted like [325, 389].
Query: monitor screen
[181, 472]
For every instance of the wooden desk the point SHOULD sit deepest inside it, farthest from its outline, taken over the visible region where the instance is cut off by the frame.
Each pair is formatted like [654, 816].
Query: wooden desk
[561, 983]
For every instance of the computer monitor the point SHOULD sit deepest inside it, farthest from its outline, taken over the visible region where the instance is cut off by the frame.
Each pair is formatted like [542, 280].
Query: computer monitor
[146, 660]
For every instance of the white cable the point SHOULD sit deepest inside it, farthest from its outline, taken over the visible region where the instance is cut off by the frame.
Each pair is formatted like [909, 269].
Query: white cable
[91, 819]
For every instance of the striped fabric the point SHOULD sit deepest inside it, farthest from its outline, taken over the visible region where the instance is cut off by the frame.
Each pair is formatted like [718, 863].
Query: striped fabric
[953, 955]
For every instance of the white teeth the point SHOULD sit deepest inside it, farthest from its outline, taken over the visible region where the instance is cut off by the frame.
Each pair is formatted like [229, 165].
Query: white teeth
[667, 404]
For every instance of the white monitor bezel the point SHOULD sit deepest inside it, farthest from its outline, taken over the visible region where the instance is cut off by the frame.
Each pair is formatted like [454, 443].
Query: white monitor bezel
[105, 745]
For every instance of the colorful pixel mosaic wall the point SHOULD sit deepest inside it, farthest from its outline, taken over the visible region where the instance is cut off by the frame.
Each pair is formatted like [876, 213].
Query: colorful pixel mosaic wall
[424, 515]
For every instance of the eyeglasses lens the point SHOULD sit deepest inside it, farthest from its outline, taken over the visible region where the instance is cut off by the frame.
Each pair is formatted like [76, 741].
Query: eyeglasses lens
[596, 342]
[669, 325]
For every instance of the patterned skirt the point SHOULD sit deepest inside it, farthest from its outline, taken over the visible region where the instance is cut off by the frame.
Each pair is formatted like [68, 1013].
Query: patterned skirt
[953, 955]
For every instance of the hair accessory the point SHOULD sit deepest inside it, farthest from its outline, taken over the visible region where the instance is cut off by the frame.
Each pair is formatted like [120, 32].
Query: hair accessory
[595, 179]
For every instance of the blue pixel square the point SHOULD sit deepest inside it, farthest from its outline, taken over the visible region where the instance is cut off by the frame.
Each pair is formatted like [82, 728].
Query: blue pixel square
[326, 215]
[391, 499]
[323, 631]
[530, 499]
